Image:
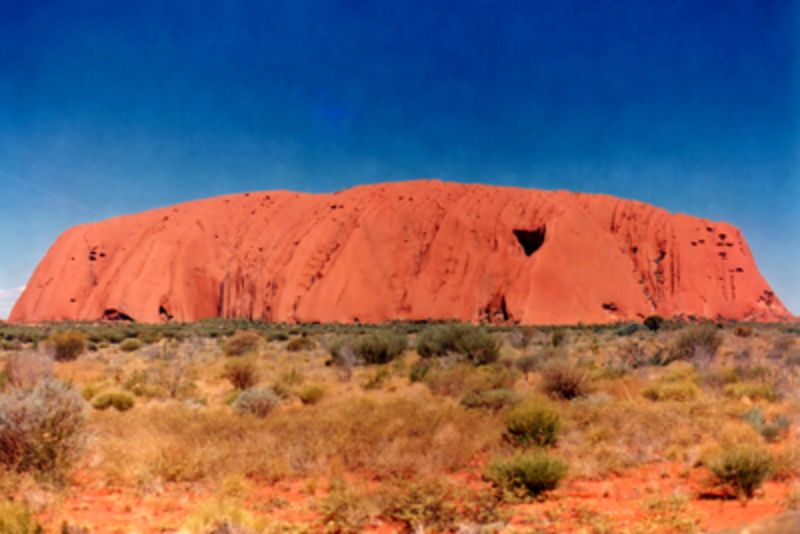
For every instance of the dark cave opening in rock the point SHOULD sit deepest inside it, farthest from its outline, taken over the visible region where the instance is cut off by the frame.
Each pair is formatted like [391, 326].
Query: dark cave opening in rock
[164, 314]
[530, 240]
[112, 314]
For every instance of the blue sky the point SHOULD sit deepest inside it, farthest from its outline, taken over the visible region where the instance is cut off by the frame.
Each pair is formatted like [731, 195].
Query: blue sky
[115, 107]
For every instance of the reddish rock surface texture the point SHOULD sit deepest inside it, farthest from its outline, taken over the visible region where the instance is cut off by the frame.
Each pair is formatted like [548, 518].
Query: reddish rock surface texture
[401, 251]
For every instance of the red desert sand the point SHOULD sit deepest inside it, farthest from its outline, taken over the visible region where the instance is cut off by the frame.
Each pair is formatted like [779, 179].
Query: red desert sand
[401, 251]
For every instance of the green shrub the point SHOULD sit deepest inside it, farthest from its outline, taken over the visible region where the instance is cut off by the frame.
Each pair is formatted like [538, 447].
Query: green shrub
[697, 342]
[242, 342]
[119, 400]
[242, 373]
[533, 423]
[300, 343]
[379, 346]
[67, 345]
[565, 380]
[492, 399]
[41, 428]
[531, 473]
[474, 343]
[15, 518]
[742, 467]
[257, 401]
[311, 394]
[420, 506]
[653, 322]
[130, 345]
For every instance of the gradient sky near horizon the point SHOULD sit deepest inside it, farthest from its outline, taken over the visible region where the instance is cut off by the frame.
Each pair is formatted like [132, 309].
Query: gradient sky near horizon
[115, 107]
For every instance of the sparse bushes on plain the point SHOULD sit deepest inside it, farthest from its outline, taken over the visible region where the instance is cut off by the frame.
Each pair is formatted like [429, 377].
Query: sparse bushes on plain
[242, 342]
[130, 345]
[311, 394]
[558, 338]
[752, 390]
[564, 379]
[742, 467]
[781, 347]
[379, 346]
[770, 430]
[427, 505]
[300, 343]
[67, 345]
[345, 510]
[221, 516]
[528, 363]
[473, 343]
[24, 369]
[742, 331]
[698, 343]
[533, 423]
[456, 379]
[41, 428]
[672, 391]
[242, 373]
[119, 400]
[628, 330]
[257, 401]
[491, 399]
[530, 473]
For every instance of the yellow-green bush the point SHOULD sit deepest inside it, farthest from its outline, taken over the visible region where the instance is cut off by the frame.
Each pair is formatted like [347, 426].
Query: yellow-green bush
[530, 473]
[533, 423]
[311, 394]
[119, 400]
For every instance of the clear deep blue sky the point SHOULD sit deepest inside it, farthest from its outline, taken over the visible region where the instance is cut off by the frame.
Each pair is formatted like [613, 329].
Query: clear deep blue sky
[115, 107]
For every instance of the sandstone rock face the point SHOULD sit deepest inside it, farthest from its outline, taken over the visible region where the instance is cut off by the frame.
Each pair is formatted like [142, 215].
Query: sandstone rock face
[401, 251]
